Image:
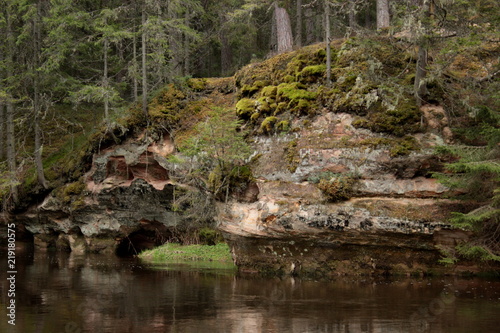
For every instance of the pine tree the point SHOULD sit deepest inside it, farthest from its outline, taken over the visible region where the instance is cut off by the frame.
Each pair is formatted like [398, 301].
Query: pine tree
[476, 173]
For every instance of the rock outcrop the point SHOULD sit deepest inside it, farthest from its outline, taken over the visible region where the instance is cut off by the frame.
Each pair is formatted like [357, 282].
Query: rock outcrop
[392, 223]
[123, 204]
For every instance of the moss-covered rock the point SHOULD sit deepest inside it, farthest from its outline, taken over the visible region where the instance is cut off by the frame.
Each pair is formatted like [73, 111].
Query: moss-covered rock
[301, 107]
[312, 73]
[269, 91]
[403, 120]
[267, 125]
[71, 193]
[283, 126]
[280, 108]
[292, 156]
[265, 105]
[245, 108]
[294, 92]
[248, 90]
[166, 105]
[404, 146]
[255, 116]
[338, 188]
[198, 84]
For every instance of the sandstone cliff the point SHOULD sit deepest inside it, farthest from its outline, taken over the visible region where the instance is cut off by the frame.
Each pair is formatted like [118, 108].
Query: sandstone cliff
[341, 173]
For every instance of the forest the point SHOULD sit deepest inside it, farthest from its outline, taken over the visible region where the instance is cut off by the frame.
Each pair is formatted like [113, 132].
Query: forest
[72, 69]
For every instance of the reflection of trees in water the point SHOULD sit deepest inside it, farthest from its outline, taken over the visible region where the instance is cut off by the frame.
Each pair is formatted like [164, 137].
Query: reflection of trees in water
[108, 294]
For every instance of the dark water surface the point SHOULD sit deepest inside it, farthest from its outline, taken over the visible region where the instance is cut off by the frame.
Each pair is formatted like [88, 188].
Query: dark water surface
[63, 293]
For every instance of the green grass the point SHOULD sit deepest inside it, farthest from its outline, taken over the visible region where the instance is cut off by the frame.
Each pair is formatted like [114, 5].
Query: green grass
[176, 253]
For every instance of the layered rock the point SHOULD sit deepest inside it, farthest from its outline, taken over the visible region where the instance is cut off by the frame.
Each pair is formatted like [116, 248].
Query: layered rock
[393, 223]
[122, 204]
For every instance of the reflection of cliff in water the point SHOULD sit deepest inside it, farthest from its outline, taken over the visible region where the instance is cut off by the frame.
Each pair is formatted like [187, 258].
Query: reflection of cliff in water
[92, 293]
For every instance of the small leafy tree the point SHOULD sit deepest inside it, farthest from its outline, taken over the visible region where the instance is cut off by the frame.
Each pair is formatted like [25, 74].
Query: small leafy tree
[219, 152]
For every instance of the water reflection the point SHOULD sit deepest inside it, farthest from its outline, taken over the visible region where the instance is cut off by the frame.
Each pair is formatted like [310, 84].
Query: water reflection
[95, 293]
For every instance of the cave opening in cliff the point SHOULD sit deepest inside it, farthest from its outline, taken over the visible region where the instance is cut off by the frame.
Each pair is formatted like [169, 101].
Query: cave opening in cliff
[151, 234]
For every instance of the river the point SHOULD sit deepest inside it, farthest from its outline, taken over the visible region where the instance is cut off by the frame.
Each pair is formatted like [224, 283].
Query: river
[65, 293]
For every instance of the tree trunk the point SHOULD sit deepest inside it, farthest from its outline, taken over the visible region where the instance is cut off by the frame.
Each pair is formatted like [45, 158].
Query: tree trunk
[383, 20]
[273, 40]
[175, 43]
[135, 66]
[106, 82]
[352, 14]
[283, 29]
[36, 97]
[2, 131]
[298, 25]
[226, 53]
[38, 151]
[187, 47]
[9, 117]
[11, 149]
[309, 26]
[327, 41]
[144, 64]
[420, 87]
[2, 120]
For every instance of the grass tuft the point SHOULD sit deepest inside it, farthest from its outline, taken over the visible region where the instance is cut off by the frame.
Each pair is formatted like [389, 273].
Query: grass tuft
[175, 253]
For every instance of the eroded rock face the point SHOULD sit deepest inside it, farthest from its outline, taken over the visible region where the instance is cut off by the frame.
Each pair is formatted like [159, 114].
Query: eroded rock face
[394, 222]
[125, 204]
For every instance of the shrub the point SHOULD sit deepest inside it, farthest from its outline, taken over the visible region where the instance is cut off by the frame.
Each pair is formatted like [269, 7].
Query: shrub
[338, 187]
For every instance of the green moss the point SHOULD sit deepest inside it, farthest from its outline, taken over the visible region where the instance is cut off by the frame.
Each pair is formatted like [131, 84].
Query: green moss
[283, 126]
[360, 122]
[301, 107]
[261, 83]
[245, 108]
[166, 104]
[295, 66]
[70, 160]
[255, 116]
[321, 55]
[248, 90]
[397, 146]
[404, 146]
[263, 105]
[197, 84]
[267, 125]
[292, 156]
[289, 79]
[280, 108]
[345, 83]
[70, 193]
[269, 91]
[78, 203]
[312, 73]
[403, 120]
[351, 103]
[295, 91]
